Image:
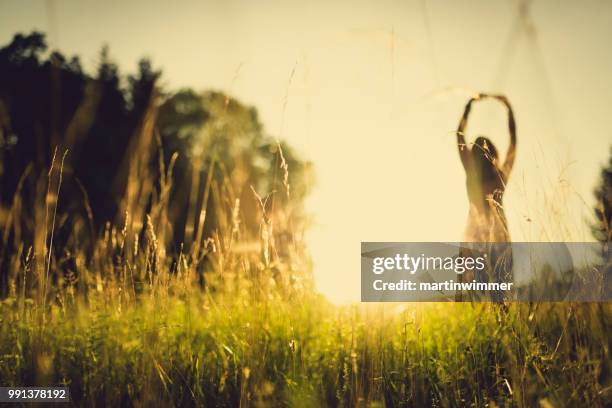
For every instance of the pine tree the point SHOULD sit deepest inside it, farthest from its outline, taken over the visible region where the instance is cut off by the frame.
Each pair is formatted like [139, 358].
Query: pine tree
[602, 228]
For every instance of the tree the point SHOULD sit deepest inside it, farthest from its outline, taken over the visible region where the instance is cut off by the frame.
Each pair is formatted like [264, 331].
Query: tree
[212, 127]
[48, 102]
[223, 152]
[602, 228]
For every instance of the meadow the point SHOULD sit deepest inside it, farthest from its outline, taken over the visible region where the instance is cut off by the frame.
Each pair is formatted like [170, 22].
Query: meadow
[199, 350]
[235, 321]
[153, 253]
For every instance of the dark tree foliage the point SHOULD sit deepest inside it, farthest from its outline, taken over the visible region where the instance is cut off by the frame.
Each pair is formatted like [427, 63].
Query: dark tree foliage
[38, 96]
[48, 102]
[602, 228]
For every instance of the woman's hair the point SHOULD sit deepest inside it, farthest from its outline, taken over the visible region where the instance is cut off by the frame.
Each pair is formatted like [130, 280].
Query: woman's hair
[484, 150]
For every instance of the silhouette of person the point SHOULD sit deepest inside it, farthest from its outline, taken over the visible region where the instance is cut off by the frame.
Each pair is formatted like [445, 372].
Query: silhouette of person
[486, 179]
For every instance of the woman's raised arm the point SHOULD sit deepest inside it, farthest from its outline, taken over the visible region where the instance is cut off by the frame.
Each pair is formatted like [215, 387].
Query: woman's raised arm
[511, 154]
[461, 144]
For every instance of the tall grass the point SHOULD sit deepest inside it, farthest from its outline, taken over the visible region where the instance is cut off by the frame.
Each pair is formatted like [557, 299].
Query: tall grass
[231, 319]
[200, 350]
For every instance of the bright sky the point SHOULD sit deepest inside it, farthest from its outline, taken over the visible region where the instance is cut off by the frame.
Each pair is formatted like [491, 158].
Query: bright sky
[377, 90]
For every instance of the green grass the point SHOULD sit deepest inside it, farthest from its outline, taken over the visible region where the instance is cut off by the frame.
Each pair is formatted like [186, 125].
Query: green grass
[124, 319]
[305, 352]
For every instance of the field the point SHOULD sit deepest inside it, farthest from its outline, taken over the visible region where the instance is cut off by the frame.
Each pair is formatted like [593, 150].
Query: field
[153, 253]
[135, 325]
[197, 350]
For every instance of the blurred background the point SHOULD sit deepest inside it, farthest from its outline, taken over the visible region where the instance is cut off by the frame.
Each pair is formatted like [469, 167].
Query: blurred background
[371, 93]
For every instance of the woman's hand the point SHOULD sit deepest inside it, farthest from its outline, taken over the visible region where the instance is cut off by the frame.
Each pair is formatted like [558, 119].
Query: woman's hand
[481, 95]
[474, 98]
[503, 99]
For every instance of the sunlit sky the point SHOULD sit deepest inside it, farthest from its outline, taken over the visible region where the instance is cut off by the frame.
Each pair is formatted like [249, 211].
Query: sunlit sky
[376, 92]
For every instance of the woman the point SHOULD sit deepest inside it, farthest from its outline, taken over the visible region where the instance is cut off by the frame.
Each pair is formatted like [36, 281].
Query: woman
[486, 179]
